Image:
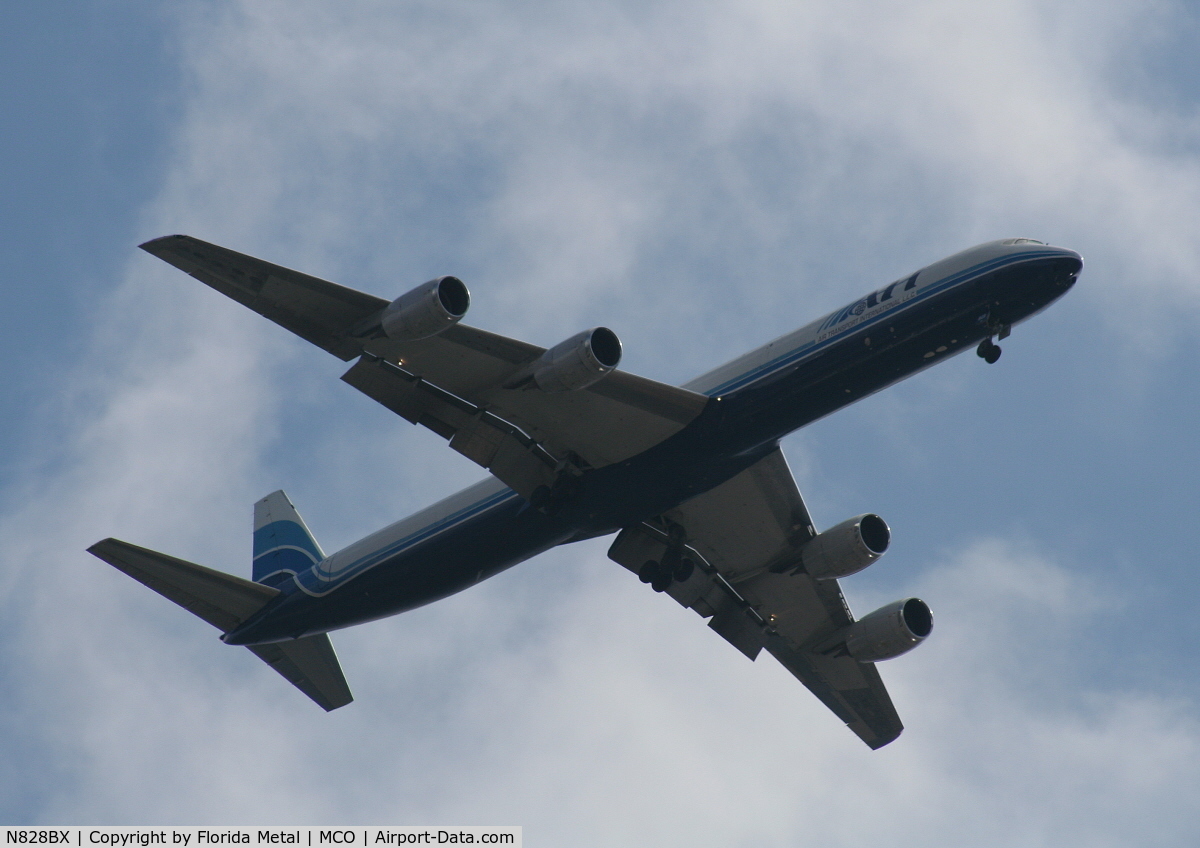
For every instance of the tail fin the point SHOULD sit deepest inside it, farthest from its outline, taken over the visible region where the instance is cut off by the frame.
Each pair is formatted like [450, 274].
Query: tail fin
[225, 601]
[282, 541]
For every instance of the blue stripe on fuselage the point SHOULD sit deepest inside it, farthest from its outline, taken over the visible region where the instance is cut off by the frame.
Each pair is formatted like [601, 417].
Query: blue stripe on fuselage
[812, 346]
[313, 582]
[284, 558]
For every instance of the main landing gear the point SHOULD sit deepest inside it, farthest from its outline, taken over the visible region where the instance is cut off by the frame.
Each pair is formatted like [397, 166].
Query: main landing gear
[673, 568]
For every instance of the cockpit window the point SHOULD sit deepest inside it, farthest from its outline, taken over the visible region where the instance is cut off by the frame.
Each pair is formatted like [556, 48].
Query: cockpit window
[1022, 241]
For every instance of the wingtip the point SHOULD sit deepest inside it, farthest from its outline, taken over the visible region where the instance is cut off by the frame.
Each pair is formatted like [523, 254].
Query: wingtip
[880, 741]
[330, 706]
[97, 548]
[152, 245]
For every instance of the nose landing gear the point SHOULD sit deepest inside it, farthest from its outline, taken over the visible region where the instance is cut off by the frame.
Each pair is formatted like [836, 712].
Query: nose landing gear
[988, 351]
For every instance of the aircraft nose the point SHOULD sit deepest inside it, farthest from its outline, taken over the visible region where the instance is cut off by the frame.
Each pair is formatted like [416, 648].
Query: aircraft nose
[1072, 260]
[1067, 265]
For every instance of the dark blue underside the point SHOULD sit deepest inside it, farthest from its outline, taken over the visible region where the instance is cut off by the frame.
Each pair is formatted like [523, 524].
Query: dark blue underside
[731, 434]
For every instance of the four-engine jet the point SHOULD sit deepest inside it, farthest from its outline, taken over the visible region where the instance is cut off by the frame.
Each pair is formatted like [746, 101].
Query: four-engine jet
[691, 479]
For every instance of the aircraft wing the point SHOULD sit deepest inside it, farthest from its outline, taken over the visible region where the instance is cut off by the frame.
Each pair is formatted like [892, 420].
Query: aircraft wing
[318, 311]
[743, 536]
[454, 382]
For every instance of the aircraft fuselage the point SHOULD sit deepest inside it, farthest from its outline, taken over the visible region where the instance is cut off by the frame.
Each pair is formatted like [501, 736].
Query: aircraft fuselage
[754, 401]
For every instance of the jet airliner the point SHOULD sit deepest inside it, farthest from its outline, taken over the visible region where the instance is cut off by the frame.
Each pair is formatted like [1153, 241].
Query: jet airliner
[691, 479]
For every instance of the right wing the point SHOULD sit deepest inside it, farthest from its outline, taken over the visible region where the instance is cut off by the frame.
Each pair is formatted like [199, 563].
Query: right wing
[736, 533]
[454, 382]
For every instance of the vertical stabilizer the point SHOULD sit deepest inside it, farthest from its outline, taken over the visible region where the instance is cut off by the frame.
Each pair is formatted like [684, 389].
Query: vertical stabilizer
[282, 541]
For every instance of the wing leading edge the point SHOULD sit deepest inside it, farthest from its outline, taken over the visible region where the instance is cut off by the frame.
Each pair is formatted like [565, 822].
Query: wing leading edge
[741, 532]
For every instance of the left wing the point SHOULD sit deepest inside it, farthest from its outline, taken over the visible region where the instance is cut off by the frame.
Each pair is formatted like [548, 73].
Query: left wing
[458, 382]
[745, 530]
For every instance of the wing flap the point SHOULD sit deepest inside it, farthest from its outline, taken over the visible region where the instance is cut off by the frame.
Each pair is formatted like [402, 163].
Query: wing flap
[802, 610]
[462, 360]
[853, 691]
[616, 418]
[487, 440]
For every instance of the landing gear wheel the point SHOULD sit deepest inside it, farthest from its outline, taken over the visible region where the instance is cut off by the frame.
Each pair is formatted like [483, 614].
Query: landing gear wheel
[988, 351]
[648, 571]
[684, 570]
[660, 582]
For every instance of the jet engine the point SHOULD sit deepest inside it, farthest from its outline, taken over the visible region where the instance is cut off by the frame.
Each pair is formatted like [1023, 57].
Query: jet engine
[427, 310]
[889, 631]
[846, 548]
[578, 362]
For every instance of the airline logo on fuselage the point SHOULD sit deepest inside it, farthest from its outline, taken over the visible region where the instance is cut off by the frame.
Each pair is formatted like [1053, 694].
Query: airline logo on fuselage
[876, 302]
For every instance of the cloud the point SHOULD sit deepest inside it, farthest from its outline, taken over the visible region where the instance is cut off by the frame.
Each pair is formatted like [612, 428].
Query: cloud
[702, 179]
[1010, 716]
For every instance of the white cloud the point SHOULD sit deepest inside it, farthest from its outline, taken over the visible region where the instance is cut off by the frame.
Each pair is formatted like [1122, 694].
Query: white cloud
[707, 177]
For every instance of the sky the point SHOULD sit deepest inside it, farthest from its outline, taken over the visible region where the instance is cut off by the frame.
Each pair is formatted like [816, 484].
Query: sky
[701, 178]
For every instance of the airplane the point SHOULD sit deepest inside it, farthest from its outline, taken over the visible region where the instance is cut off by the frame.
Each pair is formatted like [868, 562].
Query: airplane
[691, 479]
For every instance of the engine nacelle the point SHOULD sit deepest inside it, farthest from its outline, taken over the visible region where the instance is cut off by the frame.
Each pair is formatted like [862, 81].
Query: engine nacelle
[889, 631]
[578, 362]
[427, 310]
[846, 548]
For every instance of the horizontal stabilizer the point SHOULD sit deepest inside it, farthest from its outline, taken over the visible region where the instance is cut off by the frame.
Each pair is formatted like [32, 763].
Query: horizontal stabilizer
[311, 666]
[225, 601]
[221, 599]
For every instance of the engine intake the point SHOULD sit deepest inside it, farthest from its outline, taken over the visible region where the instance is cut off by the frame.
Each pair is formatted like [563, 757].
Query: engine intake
[578, 362]
[846, 548]
[427, 310]
[889, 631]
